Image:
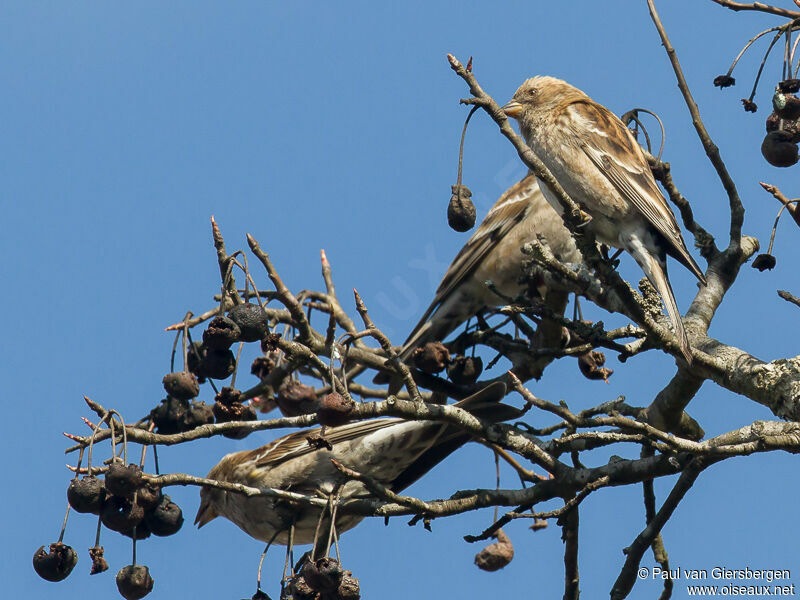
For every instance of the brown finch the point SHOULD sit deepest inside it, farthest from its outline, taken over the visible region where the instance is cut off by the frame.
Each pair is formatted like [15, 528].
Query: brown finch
[493, 254]
[597, 161]
[394, 452]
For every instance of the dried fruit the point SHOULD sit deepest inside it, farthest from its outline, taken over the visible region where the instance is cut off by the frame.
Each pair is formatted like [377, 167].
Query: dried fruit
[323, 575]
[295, 398]
[195, 356]
[764, 262]
[221, 333]
[495, 556]
[300, 590]
[538, 524]
[461, 211]
[122, 515]
[165, 519]
[335, 409]
[749, 105]
[262, 366]
[252, 321]
[464, 370]
[148, 496]
[431, 358]
[591, 365]
[723, 81]
[99, 563]
[218, 364]
[228, 407]
[168, 417]
[86, 495]
[198, 413]
[123, 481]
[779, 150]
[134, 582]
[181, 385]
[787, 106]
[791, 127]
[789, 86]
[56, 564]
[141, 531]
[349, 589]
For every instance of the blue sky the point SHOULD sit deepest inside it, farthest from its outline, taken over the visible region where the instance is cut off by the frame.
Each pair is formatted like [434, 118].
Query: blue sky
[125, 127]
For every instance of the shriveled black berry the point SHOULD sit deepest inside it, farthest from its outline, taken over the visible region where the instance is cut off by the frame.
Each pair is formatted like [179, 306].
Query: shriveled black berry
[198, 413]
[300, 589]
[86, 495]
[123, 480]
[779, 149]
[335, 409]
[464, 370]
[120, 514]
[99, 564]
[787, 106]
[182, 385]
[195, 357]
[495, 556]
[142, 531]
[295, 398]
[461, 211]
[262, 366]
[323, 575]
[56, 564]
[165, 519]
[252, 321]
[591, 365]
[148, 496]
[723, 81]
[764, 262]
[218, 364]
[431, 358]
[168, 417]
[349, 588]
[228, 407]
[749, 105]
[134, 582]
[221, 333]
[789, 86]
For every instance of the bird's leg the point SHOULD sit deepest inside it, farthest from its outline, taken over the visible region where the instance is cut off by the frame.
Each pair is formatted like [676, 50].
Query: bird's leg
[333, 503]
[289, 553]
[261, 560]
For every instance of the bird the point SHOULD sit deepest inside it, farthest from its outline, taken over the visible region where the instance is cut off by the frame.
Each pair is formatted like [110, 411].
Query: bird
[394, 452]
[597, 161]
[493, 253]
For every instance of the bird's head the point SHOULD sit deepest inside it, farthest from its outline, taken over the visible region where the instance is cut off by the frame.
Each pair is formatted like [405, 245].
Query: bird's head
[539, 99]
[212, 500]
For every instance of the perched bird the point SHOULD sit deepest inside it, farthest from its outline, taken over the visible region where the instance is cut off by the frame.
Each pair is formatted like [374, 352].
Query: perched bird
[394, 452]
[493, 254]
[597, 161]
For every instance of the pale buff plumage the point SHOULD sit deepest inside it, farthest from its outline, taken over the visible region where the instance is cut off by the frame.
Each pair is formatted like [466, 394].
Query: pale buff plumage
[394, 452]
[601, 167]
[493, 254]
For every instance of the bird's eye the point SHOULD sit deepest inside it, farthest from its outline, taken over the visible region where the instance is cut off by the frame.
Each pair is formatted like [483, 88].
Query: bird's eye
[532, 92]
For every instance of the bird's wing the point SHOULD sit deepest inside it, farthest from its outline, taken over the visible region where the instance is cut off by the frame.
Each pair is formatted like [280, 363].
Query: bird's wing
[506, 213]
[612, 149]
[297, 444]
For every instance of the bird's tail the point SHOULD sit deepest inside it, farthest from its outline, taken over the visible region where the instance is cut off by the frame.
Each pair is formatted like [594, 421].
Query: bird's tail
[485, 404]
[656, 271]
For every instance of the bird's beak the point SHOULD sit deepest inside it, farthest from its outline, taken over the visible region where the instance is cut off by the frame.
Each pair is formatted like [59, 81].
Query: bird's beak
[512, 109]
[205, 514]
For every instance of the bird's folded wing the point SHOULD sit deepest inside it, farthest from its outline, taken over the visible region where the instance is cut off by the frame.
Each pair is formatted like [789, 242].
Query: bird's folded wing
[614, 152]
[506, 213]
[297, 444]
